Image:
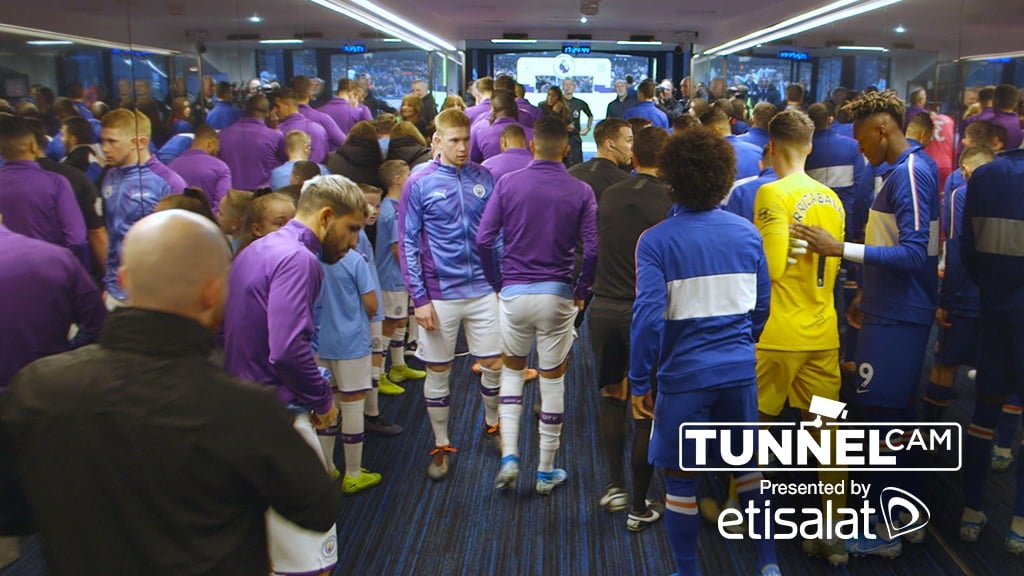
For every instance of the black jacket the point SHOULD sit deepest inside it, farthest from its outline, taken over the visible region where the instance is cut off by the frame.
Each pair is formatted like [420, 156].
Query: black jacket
[671, 107]
[358, 160]
[86, 193]
[376, 105]
[408, 149]
[429, 108]
[78, 158]
[139, 456]
[618, 108]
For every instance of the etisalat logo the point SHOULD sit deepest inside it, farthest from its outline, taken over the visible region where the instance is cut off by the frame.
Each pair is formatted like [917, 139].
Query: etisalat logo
[810, 445]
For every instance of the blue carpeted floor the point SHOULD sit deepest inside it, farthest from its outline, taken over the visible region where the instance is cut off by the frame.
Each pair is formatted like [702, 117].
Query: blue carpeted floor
[409, 525]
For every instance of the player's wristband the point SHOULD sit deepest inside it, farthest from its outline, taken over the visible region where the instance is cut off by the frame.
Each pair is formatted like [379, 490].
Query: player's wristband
[853, 252]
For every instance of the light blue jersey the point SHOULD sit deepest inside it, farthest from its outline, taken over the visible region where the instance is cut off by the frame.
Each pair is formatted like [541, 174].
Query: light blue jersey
[343, 330]
[389, 272]
[365, 249]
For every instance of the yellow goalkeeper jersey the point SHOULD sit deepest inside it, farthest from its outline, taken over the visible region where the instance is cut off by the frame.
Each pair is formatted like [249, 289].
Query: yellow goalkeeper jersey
[803, 315]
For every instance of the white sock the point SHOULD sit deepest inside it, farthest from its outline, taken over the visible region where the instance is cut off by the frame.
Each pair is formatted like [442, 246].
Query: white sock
[328, 437]
[372, 400]
[971, 515]
[414, 328]
[8, 550]
[436, 392]
[396, 348]
[352, 435]
[490, 385]
[552, 407]
[372, 405]
[1017, 524]
[510, 409]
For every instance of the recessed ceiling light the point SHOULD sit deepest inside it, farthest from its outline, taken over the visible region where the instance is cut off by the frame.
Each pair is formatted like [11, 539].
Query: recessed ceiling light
[255, 19]
[36, 34]
[282, 41]
[830, 14]
[1000, 56]
[49, 42]
[899, 29]
[583, 20]
[387, 22]
[864, 48]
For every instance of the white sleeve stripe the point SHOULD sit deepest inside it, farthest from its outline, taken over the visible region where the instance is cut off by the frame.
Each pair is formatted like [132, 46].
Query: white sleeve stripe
[913, 192]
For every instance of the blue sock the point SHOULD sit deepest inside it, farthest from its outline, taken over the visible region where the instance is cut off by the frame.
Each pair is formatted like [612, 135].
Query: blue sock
[682, 522]
[1009, 419]
[936, 400]
[748, 486]
[1018, 509]
[977, 448]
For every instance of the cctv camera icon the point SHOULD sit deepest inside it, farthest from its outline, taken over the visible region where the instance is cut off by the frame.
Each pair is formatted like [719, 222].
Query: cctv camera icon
[824, 407]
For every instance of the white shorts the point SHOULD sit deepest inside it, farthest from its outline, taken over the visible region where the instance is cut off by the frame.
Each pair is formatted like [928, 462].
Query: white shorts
[546, 317]
[479, 316]
[396, 305]
[350, 376]
[295, 550]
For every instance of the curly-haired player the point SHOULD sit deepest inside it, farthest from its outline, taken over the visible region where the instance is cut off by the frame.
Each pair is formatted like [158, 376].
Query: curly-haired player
[700, 348]
[896, 306]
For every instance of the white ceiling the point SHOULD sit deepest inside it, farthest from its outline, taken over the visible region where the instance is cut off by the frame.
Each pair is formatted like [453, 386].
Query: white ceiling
[937, 25]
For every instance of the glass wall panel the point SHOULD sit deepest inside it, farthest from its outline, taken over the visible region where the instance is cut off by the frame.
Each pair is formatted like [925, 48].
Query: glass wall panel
[872, 71]
[765, 78]
[270, 67]
[86, 66]
[438, 81]
[148, 73]
[339, 68]
[391, 73]
[830, 72]
[304, 63]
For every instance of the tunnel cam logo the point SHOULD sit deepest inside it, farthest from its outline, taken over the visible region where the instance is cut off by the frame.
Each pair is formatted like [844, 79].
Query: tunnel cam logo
[824, 441]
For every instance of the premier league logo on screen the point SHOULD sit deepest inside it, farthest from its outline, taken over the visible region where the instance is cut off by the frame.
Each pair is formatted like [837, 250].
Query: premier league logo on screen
[565, 65]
